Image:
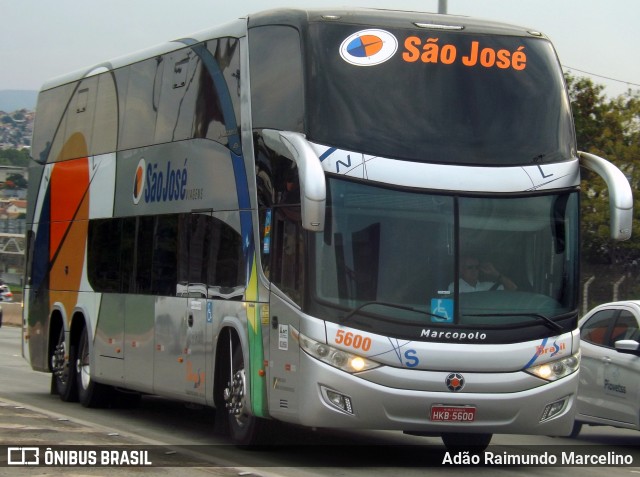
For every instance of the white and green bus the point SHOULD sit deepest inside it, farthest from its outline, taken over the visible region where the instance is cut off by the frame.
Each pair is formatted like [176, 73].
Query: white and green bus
[276, 218]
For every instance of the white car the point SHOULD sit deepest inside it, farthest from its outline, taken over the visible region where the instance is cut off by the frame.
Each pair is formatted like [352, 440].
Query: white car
[5, 293]
[609, 392]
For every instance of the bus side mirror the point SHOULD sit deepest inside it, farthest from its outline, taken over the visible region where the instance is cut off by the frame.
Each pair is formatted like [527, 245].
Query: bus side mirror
[620, 194]
[313, 189]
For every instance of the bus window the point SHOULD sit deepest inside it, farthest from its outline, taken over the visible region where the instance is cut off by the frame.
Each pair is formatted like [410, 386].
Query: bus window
[178, 97]
[211, 263]
[438, 112]
[165, 255]
[51, 106]
[287, 248]
[218, 102]
[105, 123]
[287, 256]
[276, 78]
[103, 255]
[141, 103]
[143, 255]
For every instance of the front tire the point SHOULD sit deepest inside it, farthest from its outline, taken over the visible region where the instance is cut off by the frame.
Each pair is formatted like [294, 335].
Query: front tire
[90, 393]
[244, 428]
[473, 443]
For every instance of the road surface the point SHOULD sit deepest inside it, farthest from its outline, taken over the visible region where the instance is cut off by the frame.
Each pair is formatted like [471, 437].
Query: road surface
[30, 415]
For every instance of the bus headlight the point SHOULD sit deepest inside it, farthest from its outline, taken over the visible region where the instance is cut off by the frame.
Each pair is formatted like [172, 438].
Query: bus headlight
[349, 362]
[557, 369]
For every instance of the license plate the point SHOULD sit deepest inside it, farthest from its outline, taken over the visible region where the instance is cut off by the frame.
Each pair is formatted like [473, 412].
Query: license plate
[453, 413]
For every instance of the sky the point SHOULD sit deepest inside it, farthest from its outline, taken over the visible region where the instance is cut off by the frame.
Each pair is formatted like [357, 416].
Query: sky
[43, 39]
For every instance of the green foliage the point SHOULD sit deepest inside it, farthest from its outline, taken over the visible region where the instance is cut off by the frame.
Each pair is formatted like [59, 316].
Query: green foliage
[609, 128]
[14, 157]
[16, 181]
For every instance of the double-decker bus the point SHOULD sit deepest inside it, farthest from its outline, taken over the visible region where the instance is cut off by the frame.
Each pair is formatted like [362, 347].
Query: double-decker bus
[333, 218]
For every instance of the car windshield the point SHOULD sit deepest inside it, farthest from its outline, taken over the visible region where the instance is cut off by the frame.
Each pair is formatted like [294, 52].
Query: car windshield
[393, 256]
[504, 105]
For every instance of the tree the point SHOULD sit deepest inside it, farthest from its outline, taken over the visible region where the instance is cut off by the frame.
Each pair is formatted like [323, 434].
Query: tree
[14, 157]
[610, 129]
[17, 181]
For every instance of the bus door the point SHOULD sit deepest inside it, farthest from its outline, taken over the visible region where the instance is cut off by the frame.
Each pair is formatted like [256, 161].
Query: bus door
[286, 252]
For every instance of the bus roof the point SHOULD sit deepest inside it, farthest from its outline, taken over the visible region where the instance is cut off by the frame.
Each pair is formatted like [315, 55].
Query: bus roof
[298, 18]
[236, 28]
[389, 18]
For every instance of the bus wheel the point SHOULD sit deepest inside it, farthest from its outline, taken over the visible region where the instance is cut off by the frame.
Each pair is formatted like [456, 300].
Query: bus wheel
[90, 393]
[472, 443]
[243, 427]
[63, 368]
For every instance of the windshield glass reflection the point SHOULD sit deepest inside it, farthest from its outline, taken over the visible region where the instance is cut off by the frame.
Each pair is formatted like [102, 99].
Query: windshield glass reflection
[390, 255]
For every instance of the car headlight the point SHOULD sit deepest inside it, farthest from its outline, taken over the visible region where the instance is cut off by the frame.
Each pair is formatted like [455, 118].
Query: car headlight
[349, 362]
[554, 370]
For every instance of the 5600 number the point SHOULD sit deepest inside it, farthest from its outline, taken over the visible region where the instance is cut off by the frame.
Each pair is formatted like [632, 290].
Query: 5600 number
[353, 340]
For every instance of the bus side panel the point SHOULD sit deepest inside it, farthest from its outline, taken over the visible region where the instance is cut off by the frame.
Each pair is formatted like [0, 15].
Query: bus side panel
[59, 248]
[284, 361]
[170, 344]
[109, 340]
[257, 356]
[174, 178]
[69, 227]
[37, 311]
[139, 342]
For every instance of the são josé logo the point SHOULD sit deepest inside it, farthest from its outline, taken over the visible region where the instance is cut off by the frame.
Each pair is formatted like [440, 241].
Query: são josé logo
[368, 47]
[138, 182]
[154, 184]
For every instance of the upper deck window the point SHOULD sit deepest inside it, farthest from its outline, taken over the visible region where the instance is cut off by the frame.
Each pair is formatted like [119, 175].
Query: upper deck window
[276, 78]
[433, 96]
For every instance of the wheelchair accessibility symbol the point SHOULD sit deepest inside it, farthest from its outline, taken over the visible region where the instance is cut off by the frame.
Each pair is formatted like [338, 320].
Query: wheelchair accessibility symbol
[441, 310]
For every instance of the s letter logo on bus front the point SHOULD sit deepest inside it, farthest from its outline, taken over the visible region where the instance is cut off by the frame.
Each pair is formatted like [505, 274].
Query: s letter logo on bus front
[138, 181]
[368, 47]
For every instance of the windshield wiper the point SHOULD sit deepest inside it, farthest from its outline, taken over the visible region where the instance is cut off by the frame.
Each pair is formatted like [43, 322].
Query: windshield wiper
[547, 321]
[348, 316]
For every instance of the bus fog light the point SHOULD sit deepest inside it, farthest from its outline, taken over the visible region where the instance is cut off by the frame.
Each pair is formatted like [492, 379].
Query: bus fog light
[552, 410]
[338, 400]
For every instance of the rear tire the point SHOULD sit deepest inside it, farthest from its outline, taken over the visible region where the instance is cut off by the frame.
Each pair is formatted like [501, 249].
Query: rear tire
[90, 393]
[472, 443]
[63, 362]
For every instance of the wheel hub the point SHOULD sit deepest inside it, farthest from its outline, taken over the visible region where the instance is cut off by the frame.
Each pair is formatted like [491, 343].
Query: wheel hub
[58, 365]
[234, 394]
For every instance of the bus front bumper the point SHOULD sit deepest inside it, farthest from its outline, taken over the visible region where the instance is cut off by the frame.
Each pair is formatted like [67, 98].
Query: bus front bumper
[330, 398]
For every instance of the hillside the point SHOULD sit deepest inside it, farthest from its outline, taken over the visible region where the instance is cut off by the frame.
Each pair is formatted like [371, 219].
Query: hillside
[13, 100]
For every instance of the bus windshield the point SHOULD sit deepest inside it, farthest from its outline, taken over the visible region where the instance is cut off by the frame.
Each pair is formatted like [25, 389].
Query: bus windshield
[397, 256]
[449, 98]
